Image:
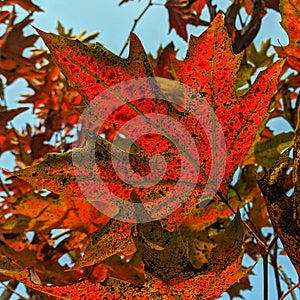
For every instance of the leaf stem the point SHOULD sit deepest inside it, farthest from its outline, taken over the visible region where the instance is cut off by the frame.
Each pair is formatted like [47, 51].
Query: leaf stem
[289, 290]
[272, 243]
[266, 279]
[287, 280]
[136, 20]
[276, 270]
[60, 234]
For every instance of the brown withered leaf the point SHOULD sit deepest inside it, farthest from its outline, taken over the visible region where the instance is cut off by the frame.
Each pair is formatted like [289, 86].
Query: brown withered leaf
[242, 38]
[182, 13]
[284, 210]
[12, 62]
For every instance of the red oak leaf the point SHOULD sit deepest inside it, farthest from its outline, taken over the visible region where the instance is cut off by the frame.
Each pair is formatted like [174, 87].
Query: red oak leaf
[182, 13]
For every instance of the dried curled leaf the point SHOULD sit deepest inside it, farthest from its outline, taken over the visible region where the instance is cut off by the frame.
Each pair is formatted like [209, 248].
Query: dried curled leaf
[284, 210]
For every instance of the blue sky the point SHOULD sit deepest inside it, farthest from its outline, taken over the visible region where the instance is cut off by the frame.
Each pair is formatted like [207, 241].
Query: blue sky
[114, 24]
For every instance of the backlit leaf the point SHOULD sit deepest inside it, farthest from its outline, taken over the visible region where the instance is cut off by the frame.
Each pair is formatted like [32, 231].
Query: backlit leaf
[13, 64]
[260, 58]
[92, 70]
[210, 58]
[267, 152]
[37, 212]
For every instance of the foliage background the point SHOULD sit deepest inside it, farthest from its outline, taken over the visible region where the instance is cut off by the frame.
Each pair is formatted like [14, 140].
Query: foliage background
[114, 24]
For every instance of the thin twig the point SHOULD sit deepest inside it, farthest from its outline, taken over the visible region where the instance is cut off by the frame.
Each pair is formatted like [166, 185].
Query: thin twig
[249, 219]
[10, 289]
[60, 234]
[287, 280]
[136, 20]
[289, 291]
[235, 212]
[266, 278]
[276, 271]
[272, 243]
[265, 255]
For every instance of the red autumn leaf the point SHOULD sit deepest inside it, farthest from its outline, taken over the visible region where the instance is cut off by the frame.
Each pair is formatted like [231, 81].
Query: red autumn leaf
[48, 270]
[26, 4]
[7, 115]
[182, 13]
[17, 186]
[3, 15]
[38, 147]
[38, 212]
[162, 63]
[290, 22]
[30, 147]
[6, 137]
[210, 58]
[223, 271]
[12, 62]
[43, 88]
[104, 68]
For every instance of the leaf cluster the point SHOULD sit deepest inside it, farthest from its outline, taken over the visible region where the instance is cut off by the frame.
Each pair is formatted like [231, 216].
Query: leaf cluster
[197, 251]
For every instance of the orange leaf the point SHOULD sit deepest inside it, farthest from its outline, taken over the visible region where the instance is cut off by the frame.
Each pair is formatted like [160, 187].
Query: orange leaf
[92, 69]
[53, 211]
[290, 22]
[224, 271]
[210, 58]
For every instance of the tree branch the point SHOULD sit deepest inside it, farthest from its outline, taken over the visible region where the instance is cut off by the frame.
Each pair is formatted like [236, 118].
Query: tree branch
[136, 20]
[289, 291]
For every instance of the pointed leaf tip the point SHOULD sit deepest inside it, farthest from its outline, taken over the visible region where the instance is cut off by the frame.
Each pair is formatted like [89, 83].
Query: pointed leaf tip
[37, 29]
